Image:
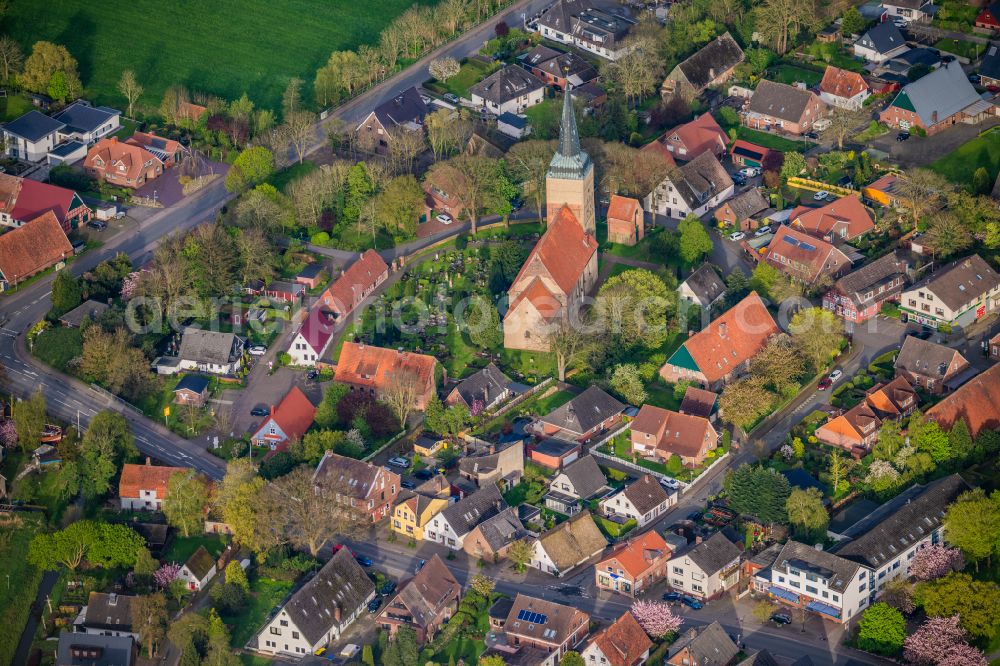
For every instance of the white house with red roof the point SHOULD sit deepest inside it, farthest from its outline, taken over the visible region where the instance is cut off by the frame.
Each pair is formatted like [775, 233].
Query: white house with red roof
[313, 337]
[23, 200]
[288, 421]
[145, 486]
[688, 141]
[842, 220]
[843, 89]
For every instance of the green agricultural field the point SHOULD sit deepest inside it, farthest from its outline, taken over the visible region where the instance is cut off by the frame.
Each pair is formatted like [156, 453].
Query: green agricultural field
[959, 165]
[225, 47]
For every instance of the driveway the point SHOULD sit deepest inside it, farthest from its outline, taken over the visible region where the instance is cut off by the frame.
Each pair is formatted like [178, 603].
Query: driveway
[919, 151]
[267, 391]
[168, 190]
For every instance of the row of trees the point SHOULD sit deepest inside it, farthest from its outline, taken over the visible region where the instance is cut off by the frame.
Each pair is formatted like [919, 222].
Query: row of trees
[411, 34]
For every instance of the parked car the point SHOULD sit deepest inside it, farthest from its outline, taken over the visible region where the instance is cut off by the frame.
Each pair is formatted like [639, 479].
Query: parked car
[363, 561]
[97, 224]
[668, 483]
[781, 618]
[691, 602]
[738, 179]
[737, 236]
[444, 218]
[821, 195]
[766, 229]
[824, 384]
[374, 605]
[425, 474]
[811, 135]
[672, 595]
[399, 462]
[260, 411]
[388, 588]
[902, 136]
[694, 516]
[749, 172]
[451, 97]
[899, 23]
[835, 375]
[409, 485]
[312, 374]
[257, 350]
[420, 565]
[426, 99]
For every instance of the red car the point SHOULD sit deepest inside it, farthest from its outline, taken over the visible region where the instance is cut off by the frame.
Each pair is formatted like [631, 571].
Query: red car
[824, 384]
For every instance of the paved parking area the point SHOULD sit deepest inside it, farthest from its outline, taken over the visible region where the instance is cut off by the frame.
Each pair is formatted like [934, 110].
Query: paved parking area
[267, 391]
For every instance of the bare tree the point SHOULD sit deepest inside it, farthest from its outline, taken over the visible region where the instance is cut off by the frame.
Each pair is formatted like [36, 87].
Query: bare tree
[11, 57]
[529, 162]
[404, 146]
[313, 192]
[569, 343]
[299, 129]
[401, 393]
[129, 87]
[844, 123]
[779, 20]
[312, 519]
[922, 191]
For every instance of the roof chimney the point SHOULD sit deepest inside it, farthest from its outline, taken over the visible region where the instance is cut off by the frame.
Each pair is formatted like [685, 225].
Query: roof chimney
[149, 461]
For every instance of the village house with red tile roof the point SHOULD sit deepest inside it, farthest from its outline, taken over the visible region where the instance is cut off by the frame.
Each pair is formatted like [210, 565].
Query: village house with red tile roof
[373, 369]
[748, 154]
[843, 89]
[856, 430]
[372, 489]
[843, 219]
[167, 151]
[287, 422]
[31, 249]
[622, 643]
[977, 403]
[635, 565]
[23, 200]
[661, 433]
[722, 350]
[805, 258]
[122, 163]
[688, 141]
[144, 487]
[626, 224]
[559, 272]
[355, 285]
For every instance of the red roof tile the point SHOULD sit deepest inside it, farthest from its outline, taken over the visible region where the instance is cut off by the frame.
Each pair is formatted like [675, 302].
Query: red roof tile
[697, 137]
[623, 208]
[33, 247]
[294, 414]
[842, 83]
[107, 155]
[623, 642]
[364, 365]
[564, 250]
[639, 554]
[145, 139]
[732, 339]
[362, 275]
[136, 478]
[977, 401]
[845, 218]
[804, 257]
[658, 148]
[544, 301]
[674, 432]
[32, 198]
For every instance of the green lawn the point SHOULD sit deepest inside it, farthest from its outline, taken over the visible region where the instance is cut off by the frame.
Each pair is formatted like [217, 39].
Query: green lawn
[548, 403]
[265, 594]
[15, 599]
[14, 106]
[181, 548]
[58, 346]
[282, 178]
[786, 73]
[471, 72]
[226, 47]
[959, 165]
[970, 50]
[772, 141]
[126, 130]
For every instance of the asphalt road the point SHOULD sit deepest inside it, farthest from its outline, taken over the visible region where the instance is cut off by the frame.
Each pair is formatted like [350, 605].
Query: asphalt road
[71, 400]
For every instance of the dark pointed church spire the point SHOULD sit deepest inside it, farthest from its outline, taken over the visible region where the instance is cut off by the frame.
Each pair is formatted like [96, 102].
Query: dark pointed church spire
[569, 161]
[569, 136]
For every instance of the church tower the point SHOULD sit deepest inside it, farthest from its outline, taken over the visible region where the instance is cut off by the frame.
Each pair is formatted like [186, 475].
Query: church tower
[570, 179]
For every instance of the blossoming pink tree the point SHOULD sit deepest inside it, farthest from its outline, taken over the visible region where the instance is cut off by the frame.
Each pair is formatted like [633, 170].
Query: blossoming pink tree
[934, 637]
[166, 574]
[936, 561]
[656, 618]
[8, 433]
[130, 284]
[962, 654]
